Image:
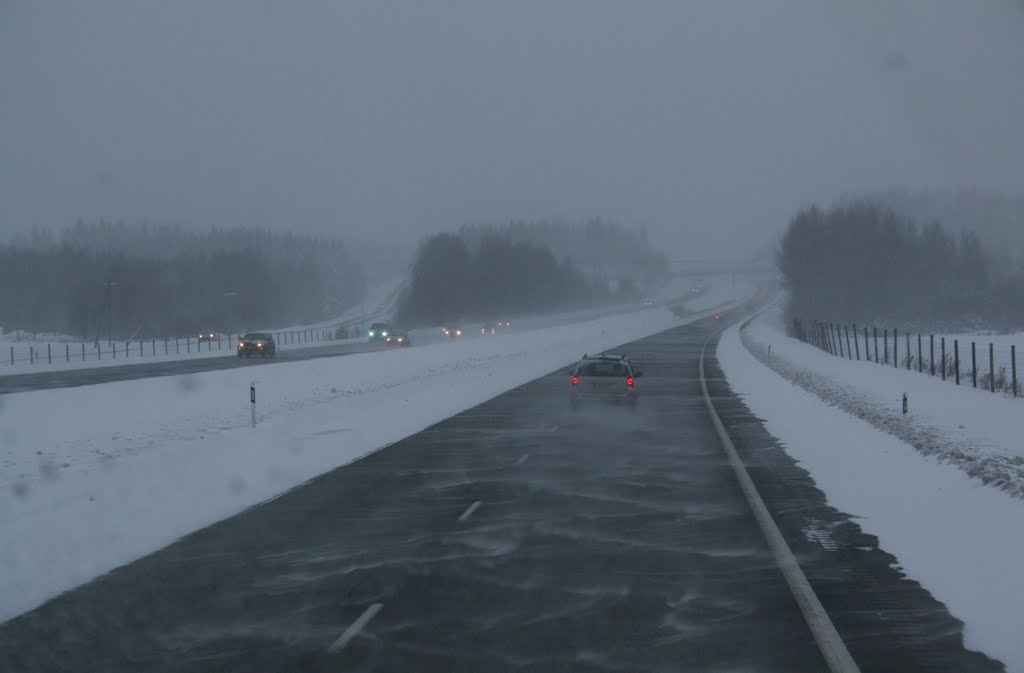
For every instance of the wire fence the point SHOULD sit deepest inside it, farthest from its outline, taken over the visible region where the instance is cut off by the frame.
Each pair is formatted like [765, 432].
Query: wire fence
[991, 365]
[118, 351]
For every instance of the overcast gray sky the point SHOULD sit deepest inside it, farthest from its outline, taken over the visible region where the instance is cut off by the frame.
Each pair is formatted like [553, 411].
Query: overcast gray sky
[710, 121]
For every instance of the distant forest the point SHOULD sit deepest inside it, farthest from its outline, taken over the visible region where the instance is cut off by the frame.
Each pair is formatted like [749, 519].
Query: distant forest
[163, 281]
[599, 248]
[491, 279]
[864, 262]
[997, 219]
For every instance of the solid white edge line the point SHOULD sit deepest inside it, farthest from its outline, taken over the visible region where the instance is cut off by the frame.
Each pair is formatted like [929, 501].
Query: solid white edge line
[830, 643]
[522, 459]
[353, 631]
[469, 510]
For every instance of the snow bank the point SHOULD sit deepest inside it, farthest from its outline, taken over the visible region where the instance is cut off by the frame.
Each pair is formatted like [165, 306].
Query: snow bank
[972, 428]
[956, 536]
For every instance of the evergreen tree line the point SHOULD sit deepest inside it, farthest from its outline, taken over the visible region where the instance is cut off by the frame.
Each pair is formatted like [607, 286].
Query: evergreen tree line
[453, 281]
[865, 263]
[135, 281]
[998, 219]
[599, 248]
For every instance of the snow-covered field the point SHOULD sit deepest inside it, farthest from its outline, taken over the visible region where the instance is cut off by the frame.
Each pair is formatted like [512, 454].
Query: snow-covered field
[939, 487]
[94, 477]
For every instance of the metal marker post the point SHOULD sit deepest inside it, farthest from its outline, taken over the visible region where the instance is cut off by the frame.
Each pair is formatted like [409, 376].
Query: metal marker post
[906, 404]
[252, 402]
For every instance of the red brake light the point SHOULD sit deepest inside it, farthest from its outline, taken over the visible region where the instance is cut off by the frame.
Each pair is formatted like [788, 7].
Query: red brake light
[629, 382]
[575, 380]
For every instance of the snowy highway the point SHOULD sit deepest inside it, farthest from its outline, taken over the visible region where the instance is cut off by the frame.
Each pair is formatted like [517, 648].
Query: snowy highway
[70, 378]
[516, 535]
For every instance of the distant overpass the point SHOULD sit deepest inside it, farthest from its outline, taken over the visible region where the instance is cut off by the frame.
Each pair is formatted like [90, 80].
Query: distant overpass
[702, 266]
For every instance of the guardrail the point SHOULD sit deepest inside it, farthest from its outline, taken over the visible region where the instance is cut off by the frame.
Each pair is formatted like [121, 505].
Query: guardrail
[929, 354]
[116, 351]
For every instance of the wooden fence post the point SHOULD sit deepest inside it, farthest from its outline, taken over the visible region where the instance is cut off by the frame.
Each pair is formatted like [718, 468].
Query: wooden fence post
[943, 358]
[974, 365]
[920, 357]
[876, 344]
[849, 351]
[895, 348]
[991, 367]
[856, 343]
[1013, 365]
[956, 359]
[931, 353]
[885, 341]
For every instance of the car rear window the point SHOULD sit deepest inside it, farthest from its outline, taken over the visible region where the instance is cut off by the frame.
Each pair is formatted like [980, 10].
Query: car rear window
[604, 368]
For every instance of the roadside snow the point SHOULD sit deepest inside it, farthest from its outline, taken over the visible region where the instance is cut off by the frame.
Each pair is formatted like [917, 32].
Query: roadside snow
[956, 536]
[96, 476]
[976, 430]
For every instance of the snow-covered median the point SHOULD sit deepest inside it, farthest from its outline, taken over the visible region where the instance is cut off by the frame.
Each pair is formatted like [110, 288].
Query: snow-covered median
[960, 538]
[94, 477]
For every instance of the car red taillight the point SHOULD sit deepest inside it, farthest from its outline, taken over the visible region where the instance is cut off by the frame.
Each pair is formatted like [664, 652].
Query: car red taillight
[575, 380]
[629, 382]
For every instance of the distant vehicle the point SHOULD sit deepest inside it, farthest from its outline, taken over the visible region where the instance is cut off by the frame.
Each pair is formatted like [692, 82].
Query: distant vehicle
[399, 339]
[648, 302]
[206, 336]
[489, 328]
[608, 378]
[380, 331]
[451, 331]
[259, 344]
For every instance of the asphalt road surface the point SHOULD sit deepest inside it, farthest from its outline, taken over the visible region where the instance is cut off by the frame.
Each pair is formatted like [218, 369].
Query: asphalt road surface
[517, 536]
[68, 378]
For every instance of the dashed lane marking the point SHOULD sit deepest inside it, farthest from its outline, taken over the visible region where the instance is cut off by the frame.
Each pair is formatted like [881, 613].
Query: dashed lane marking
[469, 510]
[353, 631]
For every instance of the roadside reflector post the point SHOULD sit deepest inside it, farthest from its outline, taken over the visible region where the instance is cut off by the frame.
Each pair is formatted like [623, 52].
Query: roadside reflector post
[906, 404]
[83, 352]
[12, 356]
[992, 368]
[252, 402]
[49, 355]
[956, 359]
[1013, 365]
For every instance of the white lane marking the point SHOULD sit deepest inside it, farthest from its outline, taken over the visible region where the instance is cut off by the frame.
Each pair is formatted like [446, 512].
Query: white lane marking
[825, 635]
[469, 510]
[353, 631]
[522, 459]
